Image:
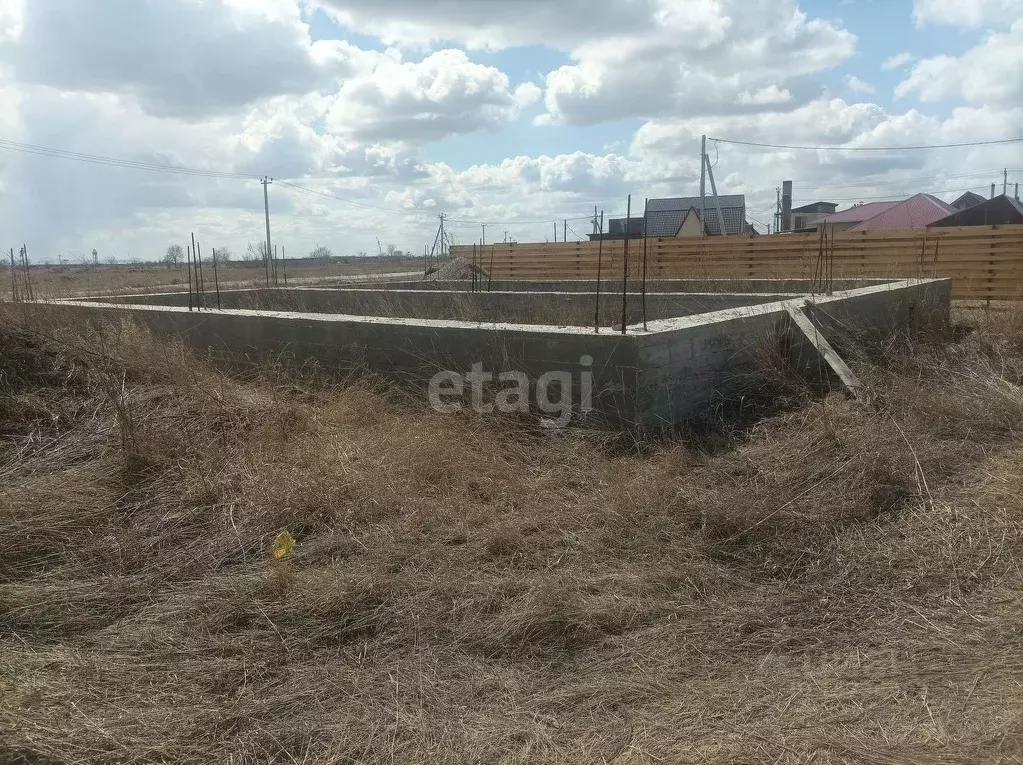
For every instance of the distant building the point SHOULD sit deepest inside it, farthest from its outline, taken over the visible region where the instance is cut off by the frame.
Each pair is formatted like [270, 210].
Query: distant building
[968, 200]
[855, 215]
[805, 218]
[918, 211]
[680, 216]
[1002, 210]
[616, 228]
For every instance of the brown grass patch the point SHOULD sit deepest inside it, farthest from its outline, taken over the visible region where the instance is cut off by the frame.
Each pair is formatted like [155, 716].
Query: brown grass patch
[834, 583]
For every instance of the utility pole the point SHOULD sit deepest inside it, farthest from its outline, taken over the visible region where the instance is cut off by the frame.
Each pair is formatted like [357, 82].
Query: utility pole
[564, 237]
[266, 181]
[555, 232]
[1005, 182]
[442, 235]
[483, 241]
[717, 199]
[506, 237]
[777, 210]
[703, 183]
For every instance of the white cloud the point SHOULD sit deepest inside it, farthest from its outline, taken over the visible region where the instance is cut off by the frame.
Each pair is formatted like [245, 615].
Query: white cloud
[856, 85]
[178, 58]
[972, 13]
[527, 94]
[632, 58]
[444, 94]
[494, 24]
[897, 61]
[990, 73]
[772, 94]
[714, 56]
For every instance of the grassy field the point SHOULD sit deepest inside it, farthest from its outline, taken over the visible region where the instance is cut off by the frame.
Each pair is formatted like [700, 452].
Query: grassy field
[73, 281]
[824, 583]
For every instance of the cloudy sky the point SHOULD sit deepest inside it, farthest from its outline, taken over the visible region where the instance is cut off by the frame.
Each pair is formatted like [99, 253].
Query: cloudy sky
[516, 113]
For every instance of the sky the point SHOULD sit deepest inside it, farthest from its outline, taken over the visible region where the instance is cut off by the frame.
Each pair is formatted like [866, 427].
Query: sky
[373, 117]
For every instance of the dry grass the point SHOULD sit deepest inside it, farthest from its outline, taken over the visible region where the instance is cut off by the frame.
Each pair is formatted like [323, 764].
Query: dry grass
[834, 584]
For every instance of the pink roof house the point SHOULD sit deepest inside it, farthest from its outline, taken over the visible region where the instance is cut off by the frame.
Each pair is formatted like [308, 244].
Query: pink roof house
[919, 211]
[856, 215]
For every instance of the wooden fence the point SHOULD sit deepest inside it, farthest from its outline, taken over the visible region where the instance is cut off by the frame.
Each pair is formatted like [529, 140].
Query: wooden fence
[986, 262]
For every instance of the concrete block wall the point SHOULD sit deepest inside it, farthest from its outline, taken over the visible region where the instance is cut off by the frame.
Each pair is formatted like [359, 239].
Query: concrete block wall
[690, 363]
[655, 379]
[558, 308]
[793, 286]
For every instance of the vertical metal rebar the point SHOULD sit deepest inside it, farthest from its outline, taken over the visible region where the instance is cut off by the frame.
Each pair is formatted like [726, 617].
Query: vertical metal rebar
[14, 279]
[201, 279]
[28, 274]
[600, 258]
[625, 265]
[188, 265]
[216, 278]
[195, 268]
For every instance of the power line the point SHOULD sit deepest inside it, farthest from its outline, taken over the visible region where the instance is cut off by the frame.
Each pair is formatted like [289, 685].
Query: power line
[344, 200]
[900, 181]
[131, 164]
[457, 221]
[903, 196]
[868, 148]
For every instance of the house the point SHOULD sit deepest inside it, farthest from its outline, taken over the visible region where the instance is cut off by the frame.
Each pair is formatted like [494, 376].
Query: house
[855, 215]
[805, 218]
[918, 211]
[999, 211]
[668, 216]
[680, 216]
[967, 200]
[616, 228]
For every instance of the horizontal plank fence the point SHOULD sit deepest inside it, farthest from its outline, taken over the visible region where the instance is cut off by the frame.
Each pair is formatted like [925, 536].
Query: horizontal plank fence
[985, 262]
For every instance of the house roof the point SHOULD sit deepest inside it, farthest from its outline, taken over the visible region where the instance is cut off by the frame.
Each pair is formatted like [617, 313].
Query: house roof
[998, 211]
[666, 216]
[815, 207]
[969, 199]
[916, 212]
[859, 213]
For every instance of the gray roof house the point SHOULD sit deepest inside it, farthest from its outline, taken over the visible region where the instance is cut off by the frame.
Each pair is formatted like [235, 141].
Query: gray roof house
[666, 217]
[968, 200]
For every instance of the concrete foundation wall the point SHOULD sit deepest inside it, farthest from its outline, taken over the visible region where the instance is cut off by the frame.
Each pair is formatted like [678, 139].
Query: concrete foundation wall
[688, 364]
[764, 286]
[569, 308]
[653, 379]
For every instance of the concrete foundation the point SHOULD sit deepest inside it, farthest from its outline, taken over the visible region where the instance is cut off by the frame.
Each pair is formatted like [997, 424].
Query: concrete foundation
[650, 379]
[557, 308]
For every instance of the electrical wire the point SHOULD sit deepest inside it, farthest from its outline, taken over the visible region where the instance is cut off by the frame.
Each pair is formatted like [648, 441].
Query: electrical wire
[903, 196]
[130, 164]
[997, 142]
[344, 200]
[901, 181]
